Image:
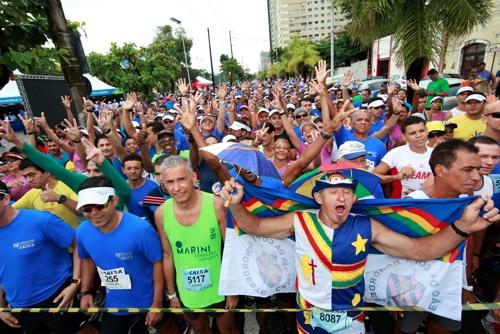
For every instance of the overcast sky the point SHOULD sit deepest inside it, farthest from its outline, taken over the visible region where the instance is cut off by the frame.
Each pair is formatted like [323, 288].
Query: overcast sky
[108, 21]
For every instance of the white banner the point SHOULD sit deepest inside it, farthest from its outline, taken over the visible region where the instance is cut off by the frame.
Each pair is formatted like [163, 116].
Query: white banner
[256, 266]
[435, 286]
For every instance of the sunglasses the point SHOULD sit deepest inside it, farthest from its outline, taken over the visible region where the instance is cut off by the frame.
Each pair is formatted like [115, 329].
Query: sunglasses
[89, 207]
[301, 116]
[2, 196]
[381, 107]
[434, 134]
[495, 114]
[167, 121]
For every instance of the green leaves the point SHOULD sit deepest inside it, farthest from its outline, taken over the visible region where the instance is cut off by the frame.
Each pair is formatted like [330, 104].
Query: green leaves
[298, 57]
[231, 69]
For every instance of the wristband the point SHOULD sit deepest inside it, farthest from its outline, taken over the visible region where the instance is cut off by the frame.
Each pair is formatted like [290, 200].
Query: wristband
[76, 281]
[459, 231]
[325, 135]
[83, 294]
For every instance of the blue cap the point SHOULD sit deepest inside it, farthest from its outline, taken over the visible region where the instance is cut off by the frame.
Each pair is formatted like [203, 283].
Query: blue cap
[334, 180]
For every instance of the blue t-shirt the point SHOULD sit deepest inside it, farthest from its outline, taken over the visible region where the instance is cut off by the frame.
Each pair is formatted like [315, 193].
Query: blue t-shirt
[375, 149]
[34, 260]
[62, 160]
[134, 205]
[377, 126]
[180, 138]
[134, 246]
[117, 165]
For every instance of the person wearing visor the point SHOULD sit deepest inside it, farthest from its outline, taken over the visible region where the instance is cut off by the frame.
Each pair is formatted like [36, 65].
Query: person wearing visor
[239, 128]
[126, 253]
[348, 236]
[471, 123]
[13, 176]
[436, 133]
[462, 94]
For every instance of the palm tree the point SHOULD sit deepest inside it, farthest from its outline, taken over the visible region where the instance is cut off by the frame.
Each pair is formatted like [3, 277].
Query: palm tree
[300, 55]
[421, 28]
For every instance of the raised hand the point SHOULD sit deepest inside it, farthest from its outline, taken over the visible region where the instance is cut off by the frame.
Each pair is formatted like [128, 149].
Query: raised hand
[221, 91]
[396, 104]
[198, 97]
[413, 84]
[321, 71]
[41, 121]
[318, 87]
[183, 86]
[88, 105]
[92, 152]
[72, 131]
[66, 101]
[391, 88]
[130, 101]
[347, 79]
[29, 124]
[8, 133]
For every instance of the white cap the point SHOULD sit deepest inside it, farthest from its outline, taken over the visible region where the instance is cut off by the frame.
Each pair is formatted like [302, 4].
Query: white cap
[308, 123]
[435, 98]
[350, 150]
[465, 89]
[160, 115]
[376, 103]
[237, 96]
[98, 195]
[136, 124]
[475, 96]
[239, 126]
[263, 110]
[228, 138]
[172, 111]
[290, 106]
[202, 118]
[274, 111]
[169, 117]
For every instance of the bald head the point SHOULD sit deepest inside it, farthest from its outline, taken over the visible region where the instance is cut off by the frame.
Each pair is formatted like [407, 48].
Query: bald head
[492, 107]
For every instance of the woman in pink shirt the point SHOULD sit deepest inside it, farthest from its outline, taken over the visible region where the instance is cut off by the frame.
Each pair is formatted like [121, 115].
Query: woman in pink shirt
[13, 178]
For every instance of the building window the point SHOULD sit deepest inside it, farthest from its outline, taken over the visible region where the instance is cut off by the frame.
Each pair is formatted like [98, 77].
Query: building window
[471, 55]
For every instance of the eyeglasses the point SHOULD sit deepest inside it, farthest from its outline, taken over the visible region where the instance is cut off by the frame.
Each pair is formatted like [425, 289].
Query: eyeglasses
[495, 114]
[89, 207]
[301, 116]
[438, 133]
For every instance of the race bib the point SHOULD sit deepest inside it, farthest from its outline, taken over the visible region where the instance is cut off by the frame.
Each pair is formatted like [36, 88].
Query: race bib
[196, 279]
[496, 182]
[115, 279]
[330, 321]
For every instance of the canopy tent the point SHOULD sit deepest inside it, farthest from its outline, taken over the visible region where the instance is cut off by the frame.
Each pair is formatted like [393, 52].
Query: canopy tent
[10, 92]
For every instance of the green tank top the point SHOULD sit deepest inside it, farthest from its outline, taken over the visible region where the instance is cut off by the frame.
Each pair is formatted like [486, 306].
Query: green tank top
[197, 253]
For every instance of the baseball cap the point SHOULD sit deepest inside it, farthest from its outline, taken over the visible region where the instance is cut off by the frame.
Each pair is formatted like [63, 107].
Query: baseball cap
[350, 150]
[435, 98]
[159, 115]
[299, 110]
[376, 104]
[435, 126]
[201, 119]
[244, 106]
[476, 97]
[465, 89]
[228, 138]
[98, 195]
[165, 133]
[237, 96]
[334, 180]
[450, 124]
[274, 111]
[238, 125]
[263, 110]
[290, 106]
[169, 117]
[308, 123]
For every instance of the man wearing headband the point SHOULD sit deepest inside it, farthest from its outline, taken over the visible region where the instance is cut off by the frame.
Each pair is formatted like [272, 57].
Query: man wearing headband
[333, 230]
[36, 267]
[126, 253]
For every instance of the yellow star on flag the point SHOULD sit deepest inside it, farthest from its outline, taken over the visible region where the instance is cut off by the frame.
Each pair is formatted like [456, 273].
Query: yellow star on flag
[359, 244]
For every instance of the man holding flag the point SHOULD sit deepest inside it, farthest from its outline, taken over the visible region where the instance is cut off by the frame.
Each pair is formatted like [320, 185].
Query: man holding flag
[331, 248]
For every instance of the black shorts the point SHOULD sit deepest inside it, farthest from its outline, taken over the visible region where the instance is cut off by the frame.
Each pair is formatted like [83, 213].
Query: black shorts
[52, 323]
[123, 324]
[194, 316]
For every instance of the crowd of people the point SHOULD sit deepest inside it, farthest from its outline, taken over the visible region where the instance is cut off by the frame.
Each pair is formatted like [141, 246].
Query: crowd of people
[129, 211]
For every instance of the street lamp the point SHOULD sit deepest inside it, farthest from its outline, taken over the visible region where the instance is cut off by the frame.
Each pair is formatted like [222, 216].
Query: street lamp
[173, 19]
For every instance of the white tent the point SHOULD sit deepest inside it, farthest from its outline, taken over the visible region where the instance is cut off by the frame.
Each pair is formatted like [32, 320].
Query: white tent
[10, 92]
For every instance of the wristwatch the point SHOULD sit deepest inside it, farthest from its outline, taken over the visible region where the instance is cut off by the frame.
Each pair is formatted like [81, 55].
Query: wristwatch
[62, 199]
[170, 297]
[325, 135]
[76, 281]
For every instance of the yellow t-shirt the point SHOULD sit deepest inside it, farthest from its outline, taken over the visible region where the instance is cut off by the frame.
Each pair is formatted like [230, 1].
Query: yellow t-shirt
[467, 128]
[32, 200]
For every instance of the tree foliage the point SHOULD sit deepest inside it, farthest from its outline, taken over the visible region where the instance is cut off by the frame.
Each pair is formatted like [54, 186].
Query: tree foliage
[346, 50]
[298, 58]
[23, 31]
[419, 27]
[139, 69]
[231, 69]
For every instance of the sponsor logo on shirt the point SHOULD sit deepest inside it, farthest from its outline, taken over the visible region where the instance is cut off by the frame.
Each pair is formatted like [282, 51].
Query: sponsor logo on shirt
[194, 250]
[124, 255]
[24, 244]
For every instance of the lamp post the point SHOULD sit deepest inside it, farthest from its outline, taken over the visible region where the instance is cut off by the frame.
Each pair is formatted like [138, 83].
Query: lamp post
[173, 19]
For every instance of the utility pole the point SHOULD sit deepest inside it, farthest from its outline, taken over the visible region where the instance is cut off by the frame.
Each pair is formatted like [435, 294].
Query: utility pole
[211, 62]
[231, 43]
[70, 66]
[270, 35]
[173, 19]
[332, 49]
